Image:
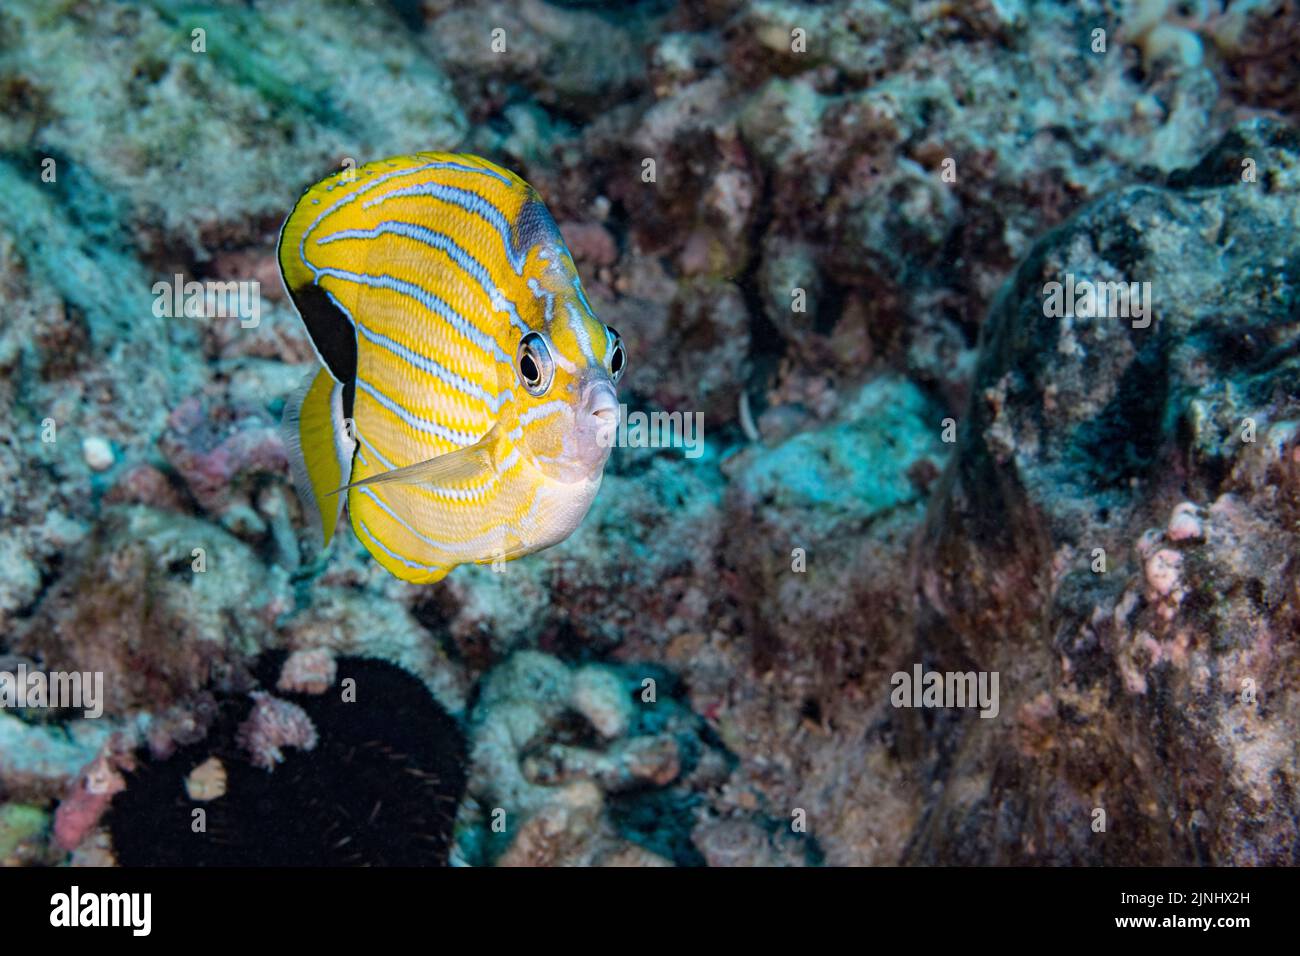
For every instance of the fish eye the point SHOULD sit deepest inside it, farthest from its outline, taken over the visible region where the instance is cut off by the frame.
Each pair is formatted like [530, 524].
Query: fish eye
[534, 364]
[617, 354]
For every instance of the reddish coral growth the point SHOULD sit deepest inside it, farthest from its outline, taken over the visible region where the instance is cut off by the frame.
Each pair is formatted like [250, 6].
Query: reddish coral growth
[145, 485]
[274, 724]
[88, 798]
[212, 449]
[308, 672]
[1262, 64]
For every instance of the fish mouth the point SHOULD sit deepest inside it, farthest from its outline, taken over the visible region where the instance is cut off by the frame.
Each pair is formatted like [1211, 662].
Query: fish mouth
[601, 415]
[601, 403]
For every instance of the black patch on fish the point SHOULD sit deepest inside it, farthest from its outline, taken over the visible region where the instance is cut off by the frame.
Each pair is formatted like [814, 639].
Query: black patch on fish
[333, 336]
[536, 225]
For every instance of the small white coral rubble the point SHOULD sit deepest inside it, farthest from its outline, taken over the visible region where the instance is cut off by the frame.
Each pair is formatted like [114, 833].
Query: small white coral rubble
[599, 696]
[207, 781]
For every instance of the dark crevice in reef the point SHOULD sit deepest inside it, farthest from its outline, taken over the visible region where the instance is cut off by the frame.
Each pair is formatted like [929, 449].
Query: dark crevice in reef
[410, 12]
[1124, 440]
[86, 203]
[660, 821]
[767, 345]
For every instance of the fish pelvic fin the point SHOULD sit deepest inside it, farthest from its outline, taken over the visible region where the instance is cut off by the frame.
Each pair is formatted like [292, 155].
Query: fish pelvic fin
[320, 450]
[459, 467]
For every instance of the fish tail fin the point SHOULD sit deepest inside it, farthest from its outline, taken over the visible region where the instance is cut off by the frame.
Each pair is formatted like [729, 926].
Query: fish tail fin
[320, 449]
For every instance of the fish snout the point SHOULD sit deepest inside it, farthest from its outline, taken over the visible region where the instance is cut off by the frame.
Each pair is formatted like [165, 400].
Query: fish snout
[600, 401]
[601, 413]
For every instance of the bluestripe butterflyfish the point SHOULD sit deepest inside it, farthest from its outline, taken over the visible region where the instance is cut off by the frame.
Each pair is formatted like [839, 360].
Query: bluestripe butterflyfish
[465, 396]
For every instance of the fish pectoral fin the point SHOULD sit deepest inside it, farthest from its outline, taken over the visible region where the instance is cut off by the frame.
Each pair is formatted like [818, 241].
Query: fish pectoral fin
[455, 467]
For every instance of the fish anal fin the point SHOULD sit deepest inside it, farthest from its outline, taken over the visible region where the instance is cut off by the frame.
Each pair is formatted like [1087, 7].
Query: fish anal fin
[320, 450]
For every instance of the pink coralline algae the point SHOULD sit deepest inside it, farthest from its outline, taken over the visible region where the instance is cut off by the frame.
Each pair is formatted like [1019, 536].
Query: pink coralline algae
[1185, 524]
[79, 812]
[274, 724]
[211, 454]
[308, 672]
[144, 484]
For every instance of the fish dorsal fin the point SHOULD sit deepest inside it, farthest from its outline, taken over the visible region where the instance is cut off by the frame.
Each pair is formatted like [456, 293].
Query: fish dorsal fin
[457, 467]
[331, 330]
[420, 249]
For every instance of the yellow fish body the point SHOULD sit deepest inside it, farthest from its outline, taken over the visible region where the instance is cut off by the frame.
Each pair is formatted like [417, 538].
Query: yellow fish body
[466, 395]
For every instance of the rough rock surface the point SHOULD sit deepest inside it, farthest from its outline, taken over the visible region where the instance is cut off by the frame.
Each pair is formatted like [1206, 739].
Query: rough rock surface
[837, 256]
[1163, 688]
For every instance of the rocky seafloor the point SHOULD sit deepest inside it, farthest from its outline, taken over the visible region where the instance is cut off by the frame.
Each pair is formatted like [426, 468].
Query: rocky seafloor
[920, 468]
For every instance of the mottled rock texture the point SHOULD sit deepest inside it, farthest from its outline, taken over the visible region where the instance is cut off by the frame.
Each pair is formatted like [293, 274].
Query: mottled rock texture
[827, 228]
[1163, 688]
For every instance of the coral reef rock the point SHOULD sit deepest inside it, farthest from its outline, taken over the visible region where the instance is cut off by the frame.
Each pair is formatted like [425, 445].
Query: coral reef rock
[1148, 666]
